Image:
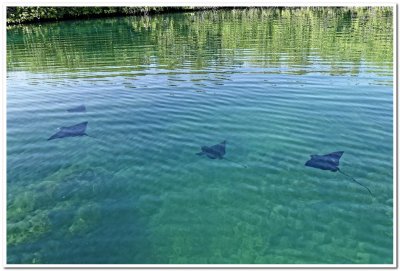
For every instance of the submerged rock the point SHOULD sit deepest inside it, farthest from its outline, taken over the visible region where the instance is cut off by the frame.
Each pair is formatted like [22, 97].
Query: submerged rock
[65, 201]
[27, 230]
[86, 217]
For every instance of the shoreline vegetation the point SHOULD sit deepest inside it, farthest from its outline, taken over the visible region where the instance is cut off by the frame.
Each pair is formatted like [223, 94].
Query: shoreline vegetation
[28, 15]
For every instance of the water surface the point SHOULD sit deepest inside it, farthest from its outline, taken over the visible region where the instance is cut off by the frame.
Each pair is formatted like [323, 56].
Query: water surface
[278, 85]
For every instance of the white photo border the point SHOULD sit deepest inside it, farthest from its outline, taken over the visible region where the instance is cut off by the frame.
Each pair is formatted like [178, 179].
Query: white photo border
[230, 3]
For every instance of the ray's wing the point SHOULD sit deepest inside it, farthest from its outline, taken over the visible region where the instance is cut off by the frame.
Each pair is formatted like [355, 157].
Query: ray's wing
[77, 128]
[335, 156]
[56, 135]
[220, 148]
[311, 162]
[74, 130]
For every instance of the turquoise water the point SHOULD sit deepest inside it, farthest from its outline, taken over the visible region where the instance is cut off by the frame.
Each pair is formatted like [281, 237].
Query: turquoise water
[277, 85]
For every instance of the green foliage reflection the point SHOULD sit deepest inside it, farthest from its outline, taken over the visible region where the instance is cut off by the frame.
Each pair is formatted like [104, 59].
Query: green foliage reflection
[262, 37]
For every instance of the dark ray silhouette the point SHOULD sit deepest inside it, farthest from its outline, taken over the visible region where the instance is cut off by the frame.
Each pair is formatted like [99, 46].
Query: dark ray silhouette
[70, 131]
[216, 152]
[330, 162]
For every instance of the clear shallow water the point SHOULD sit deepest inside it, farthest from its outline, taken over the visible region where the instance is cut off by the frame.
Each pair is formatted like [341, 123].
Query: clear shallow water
[278, 86]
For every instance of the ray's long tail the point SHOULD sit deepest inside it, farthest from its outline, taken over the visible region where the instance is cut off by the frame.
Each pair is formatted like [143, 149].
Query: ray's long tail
[354, 180]
[240, 164]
